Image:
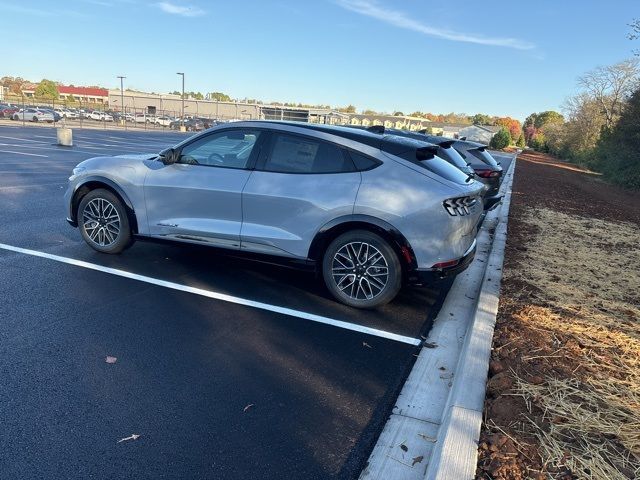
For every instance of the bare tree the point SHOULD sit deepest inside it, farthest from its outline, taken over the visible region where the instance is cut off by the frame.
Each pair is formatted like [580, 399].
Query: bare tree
[611, 86]
[635, 32]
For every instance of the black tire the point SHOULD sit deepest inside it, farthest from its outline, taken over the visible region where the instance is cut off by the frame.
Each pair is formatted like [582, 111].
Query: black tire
[365, 275]
[15, 118]
[34, 119]
[107, 241]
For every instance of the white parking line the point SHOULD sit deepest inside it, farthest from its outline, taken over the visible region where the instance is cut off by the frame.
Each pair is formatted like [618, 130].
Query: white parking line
[22, 153]
[218, 296]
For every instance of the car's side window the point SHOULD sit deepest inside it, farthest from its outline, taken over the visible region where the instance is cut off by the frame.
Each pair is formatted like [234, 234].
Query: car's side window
[230, 149]
[299, 154]
[363, 162]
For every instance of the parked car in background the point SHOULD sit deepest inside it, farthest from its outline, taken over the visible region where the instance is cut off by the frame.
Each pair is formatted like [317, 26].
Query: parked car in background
[69, 113]
[56, 116]
[7, 111]
[191, 125]
[140, 118]
[487, 169]
[33, 115]
[129, 117]
[370, 211]
[101, 116]
[163, 120]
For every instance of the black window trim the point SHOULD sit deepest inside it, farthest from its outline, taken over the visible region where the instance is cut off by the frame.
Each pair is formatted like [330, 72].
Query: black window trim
[269, 144]
[376, 162]
[252, 158]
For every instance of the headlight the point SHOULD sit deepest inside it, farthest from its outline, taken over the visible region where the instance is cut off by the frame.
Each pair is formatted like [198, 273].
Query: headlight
[78, 170]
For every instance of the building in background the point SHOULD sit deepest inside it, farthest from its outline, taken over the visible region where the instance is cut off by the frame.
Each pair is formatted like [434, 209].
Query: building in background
[479, 133]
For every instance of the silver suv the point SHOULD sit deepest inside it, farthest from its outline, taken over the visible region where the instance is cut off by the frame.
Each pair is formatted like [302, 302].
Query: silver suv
[370, 211]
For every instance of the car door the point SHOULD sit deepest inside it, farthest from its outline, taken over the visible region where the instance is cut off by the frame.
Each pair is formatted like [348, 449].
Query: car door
[199, 197]
[300, 183]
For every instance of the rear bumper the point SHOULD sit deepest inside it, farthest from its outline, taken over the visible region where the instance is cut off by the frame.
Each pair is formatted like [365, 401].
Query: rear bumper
[421, 276]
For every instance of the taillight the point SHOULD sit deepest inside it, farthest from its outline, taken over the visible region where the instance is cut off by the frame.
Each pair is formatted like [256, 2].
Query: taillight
[459, 206]
[487, 173]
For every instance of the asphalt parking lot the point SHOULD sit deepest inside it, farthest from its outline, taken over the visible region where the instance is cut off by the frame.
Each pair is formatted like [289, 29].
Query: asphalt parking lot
[216, 387]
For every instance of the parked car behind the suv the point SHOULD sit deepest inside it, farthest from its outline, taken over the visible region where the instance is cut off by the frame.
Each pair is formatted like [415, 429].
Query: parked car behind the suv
[487, 169]
[370, 211]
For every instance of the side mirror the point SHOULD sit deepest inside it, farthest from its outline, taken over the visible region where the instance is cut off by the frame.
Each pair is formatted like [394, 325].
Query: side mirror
[169, 156]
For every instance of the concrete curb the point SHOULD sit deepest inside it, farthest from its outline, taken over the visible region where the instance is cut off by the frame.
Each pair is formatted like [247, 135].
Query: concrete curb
[435, 424]
[456, 453]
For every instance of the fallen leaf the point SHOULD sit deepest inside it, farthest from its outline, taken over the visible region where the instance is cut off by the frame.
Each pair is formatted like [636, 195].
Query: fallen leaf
[417, 460]
[404, 448]
[111, 359]
[248, 407]
[365, 344]
[430, 344]
[132, 437]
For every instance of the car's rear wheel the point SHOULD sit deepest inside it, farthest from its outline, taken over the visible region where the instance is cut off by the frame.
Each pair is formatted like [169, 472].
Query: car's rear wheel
[103, 221]
[362, 270]
[35, 119]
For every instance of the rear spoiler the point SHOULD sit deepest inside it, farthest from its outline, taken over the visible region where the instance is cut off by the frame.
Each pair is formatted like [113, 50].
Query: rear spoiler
[447, 143]
[426, 153]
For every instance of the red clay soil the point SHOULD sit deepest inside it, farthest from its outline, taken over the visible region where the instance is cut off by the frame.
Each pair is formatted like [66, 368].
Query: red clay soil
[507, 450]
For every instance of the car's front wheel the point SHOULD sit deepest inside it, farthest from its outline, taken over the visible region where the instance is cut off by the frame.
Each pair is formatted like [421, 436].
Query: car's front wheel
[103, 221]
[361, 269]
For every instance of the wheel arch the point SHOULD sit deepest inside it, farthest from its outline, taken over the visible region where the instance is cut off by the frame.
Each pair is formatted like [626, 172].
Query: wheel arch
[340, 225]
[95, 182]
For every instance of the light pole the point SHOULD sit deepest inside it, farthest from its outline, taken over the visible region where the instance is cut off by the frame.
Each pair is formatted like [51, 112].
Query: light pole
[182, 118]
[122, 98]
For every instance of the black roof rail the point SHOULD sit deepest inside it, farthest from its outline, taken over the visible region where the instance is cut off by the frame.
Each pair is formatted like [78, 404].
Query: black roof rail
[376, 129]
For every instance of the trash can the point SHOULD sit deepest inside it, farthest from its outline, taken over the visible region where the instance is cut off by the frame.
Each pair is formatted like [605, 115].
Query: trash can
[65, 137]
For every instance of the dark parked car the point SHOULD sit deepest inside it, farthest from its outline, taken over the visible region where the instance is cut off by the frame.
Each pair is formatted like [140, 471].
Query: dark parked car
[7, 111]
[191, 124]
[487, 169]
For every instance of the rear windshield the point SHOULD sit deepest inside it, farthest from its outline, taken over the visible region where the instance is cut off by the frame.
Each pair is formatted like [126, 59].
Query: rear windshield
[454, 158]
[484, 156]
[435, 165]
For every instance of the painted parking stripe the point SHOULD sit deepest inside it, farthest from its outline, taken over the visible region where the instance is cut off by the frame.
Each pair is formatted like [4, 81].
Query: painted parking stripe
[23, 153]
[218, 296]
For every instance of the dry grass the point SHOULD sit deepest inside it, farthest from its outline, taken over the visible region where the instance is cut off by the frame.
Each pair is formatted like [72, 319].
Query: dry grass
[588, 291]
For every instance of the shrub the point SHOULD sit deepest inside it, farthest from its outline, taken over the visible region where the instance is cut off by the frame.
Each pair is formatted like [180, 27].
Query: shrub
[501, 140]
[521, 143]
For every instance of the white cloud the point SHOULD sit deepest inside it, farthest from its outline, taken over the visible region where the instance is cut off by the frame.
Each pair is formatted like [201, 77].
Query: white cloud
[185, 11]
[371, 8]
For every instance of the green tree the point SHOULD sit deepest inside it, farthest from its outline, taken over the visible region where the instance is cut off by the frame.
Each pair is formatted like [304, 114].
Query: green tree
[502, 139]
[481, 119]
[47, 89]
[220, 97]
[398, 114]
[547, 118]
[369, 112]
[520, 143]
[617, 150]
[70, 100]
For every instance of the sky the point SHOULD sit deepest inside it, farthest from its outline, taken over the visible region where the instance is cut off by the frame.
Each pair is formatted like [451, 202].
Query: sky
[495, 57]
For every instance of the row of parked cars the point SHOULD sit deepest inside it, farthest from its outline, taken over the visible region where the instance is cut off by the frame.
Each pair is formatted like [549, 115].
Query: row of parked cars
[34, 113]
[370, 209]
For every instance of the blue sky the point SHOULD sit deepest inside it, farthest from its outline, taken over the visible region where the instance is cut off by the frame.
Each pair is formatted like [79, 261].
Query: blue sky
[495, 57]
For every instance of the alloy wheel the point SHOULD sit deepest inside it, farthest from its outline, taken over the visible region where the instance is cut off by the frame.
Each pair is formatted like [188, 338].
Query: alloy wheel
[360, 270]
[101, 222]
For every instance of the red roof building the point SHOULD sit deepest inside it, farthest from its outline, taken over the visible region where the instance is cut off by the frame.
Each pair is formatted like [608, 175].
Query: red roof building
[84, 94]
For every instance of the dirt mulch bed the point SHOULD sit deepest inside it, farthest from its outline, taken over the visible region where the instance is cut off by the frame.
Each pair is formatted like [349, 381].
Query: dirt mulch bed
[563, 398]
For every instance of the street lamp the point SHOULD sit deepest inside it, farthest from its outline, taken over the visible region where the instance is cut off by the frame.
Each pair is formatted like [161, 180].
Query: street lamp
[182, 120]
[122, 98]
